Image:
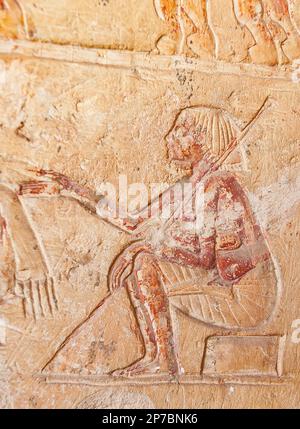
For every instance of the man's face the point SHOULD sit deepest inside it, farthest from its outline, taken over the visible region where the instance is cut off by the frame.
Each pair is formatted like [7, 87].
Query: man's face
[185, 144]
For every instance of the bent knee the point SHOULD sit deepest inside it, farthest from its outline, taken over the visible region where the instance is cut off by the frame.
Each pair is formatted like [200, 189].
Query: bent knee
[143, 259]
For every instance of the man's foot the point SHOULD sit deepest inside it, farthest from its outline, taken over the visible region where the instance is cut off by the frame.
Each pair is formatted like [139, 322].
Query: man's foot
[165, 46]
[265, 54]
[142, 367]
[291, 48]
[202, 44]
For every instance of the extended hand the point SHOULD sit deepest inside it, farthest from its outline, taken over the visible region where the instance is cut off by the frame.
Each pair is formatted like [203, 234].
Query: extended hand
[65, 183]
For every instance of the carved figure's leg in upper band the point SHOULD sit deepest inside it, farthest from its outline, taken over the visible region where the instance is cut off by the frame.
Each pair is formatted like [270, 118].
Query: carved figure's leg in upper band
[169, 44]
[279, 13]
[250, 13]
[202, 41]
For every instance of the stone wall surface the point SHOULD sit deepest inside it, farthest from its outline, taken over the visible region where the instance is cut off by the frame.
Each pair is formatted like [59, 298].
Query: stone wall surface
[101, 308]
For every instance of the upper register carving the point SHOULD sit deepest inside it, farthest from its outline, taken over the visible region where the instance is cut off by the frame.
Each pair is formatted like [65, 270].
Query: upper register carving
[14, 22]
[192, 29]
[252, 31]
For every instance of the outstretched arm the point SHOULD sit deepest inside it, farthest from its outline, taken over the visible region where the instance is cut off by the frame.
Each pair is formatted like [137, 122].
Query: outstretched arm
[54, 184]
[136, 223]
[57, 184]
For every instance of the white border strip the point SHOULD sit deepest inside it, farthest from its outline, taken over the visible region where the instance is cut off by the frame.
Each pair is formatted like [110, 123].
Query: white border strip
[138, 60]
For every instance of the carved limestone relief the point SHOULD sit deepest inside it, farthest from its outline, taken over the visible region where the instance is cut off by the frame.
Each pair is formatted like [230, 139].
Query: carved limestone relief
[14, 21]
[149, 204]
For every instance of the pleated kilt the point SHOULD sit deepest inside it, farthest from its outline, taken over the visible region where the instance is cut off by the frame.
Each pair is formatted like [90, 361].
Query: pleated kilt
[246, 304]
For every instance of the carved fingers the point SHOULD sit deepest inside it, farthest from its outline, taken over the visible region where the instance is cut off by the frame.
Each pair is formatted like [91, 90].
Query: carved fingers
[33, 188]
[66, 184]
[59, 178]
[120, 271]
[38, 295]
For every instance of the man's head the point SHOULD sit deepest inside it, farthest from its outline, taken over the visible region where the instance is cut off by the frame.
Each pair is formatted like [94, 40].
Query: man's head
[199, 132]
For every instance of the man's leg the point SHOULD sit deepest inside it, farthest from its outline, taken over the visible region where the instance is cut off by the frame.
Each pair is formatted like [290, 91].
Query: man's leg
[26, 248]
[174, 41]
[250, 14]
[7, 266]
[279, 13]
[202, 41]
[153, 314]
[31, 274]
